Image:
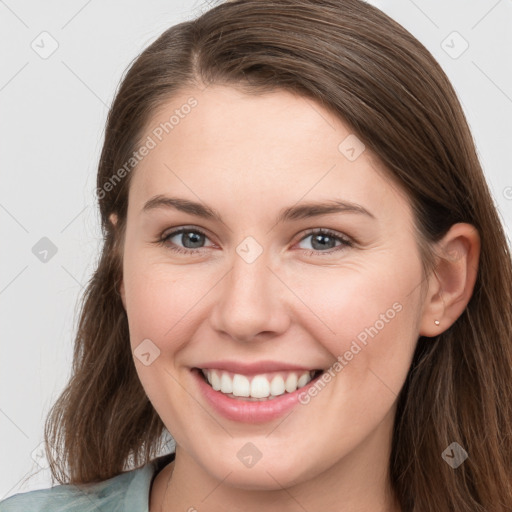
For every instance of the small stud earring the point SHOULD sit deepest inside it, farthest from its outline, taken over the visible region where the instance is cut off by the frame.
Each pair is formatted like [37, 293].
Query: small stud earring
[436, 322]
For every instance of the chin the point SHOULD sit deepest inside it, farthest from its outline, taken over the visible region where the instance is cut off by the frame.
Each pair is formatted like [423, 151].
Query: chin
[264, 475]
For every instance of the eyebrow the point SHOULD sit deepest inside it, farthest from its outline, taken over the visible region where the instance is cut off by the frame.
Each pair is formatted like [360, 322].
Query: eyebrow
[296, 212]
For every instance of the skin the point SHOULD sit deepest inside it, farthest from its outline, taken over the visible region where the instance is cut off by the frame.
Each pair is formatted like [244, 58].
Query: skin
[248, 157]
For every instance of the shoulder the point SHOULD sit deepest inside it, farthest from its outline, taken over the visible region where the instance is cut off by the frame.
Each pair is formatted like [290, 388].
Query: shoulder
[122, 493]
[106, 495]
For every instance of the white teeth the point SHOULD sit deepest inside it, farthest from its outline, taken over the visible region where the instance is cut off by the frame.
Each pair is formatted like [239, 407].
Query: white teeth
[226, 384]
[259, 386]
[216, 382]
[291, 383]
[241, 385]
[277, 386]
[303, 380]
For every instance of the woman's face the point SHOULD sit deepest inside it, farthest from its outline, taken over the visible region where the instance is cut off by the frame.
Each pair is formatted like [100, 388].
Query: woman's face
[263, 285]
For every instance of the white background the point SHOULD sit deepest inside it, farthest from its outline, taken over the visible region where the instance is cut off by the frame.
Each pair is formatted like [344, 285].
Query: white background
[53, 113]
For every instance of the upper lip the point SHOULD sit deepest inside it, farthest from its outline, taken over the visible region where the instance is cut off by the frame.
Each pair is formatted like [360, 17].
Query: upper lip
[254, 368]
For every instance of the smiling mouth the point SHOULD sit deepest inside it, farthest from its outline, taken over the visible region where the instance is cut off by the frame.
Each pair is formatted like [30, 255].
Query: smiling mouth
[265, 386]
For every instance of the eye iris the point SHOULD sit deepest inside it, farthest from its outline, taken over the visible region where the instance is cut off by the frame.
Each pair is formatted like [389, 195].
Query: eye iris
[323, 245]
[193, 237]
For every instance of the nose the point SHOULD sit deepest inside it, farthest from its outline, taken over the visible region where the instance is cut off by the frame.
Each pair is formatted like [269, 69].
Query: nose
[251, 301]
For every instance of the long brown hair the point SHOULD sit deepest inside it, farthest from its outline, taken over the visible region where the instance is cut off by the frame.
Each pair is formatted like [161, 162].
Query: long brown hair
[383, 83]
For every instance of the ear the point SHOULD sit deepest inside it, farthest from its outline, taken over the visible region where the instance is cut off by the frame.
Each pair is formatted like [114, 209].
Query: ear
[113, 219]
[451, 284]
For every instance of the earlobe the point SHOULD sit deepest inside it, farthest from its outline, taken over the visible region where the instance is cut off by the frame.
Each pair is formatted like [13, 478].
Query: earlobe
[452, 282]
[113, 219]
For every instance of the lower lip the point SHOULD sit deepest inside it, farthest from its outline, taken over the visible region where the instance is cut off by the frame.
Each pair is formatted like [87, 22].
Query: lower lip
[248, 411]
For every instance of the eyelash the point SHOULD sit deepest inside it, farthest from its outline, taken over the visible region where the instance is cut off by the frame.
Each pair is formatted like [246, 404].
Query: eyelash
[345, 242]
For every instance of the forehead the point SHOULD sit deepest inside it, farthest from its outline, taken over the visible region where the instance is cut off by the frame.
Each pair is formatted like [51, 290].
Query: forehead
[276, 147]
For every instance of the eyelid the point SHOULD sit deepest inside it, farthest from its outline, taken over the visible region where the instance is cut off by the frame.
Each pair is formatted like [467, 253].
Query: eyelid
[180, 229]
[326, 231]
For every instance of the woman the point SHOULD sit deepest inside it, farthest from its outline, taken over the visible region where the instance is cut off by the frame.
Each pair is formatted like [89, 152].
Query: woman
[304, 280]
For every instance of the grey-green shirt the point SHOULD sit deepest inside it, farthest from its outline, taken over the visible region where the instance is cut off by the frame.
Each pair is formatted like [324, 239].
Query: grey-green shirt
[127, 492]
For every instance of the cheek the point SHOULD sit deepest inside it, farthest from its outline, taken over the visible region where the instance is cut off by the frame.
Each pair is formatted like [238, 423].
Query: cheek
[373, 317]
[159, 300]
[369, 322]
[163, 309]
